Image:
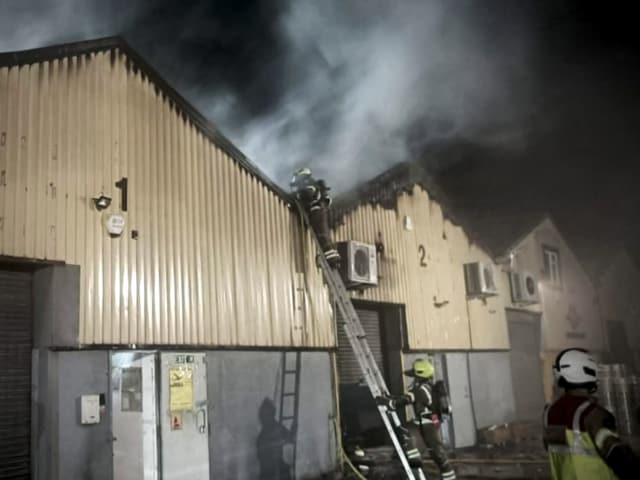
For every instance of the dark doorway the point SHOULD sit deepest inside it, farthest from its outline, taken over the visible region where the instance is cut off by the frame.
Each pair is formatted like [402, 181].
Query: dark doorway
[382, 324]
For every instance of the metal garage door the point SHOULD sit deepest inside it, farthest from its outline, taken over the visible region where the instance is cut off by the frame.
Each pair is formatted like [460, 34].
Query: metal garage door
[348, 368]
[526, 368]
[15, 374]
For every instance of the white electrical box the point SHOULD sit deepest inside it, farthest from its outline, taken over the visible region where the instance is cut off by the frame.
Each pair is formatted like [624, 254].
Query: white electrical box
[89, 409]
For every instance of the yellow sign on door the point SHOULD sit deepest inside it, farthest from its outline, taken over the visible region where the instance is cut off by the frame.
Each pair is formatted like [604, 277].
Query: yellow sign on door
[180, 388]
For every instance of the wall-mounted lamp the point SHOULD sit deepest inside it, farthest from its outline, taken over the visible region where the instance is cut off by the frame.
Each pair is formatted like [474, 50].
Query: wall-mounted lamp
[102, 202]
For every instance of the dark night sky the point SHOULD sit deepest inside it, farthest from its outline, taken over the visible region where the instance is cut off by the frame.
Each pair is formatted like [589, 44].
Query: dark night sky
[529, 105]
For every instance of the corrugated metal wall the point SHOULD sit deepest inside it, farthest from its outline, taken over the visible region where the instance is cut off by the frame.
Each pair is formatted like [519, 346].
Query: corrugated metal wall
[215, 258]
[422, 269]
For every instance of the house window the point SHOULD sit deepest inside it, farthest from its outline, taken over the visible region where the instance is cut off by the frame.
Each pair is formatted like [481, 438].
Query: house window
[552, 265]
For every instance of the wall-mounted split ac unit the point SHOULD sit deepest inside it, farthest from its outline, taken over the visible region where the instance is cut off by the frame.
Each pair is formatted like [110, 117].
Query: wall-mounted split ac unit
[524, 287]
[359, 266]
[479, 279]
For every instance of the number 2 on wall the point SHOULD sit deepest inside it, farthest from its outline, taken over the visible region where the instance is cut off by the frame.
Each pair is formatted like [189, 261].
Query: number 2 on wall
[423, 253]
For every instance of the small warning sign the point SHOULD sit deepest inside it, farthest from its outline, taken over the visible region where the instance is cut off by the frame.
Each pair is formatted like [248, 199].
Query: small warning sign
[176, 421]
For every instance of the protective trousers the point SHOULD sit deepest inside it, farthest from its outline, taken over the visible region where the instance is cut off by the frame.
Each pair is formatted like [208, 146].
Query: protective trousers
[319, 218]
[430, 435]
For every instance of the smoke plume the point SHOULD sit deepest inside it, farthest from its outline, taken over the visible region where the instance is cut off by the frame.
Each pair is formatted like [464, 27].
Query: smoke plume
[348, 88]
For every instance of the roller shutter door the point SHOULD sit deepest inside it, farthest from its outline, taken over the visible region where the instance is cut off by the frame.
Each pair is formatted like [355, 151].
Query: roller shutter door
[348, 368]
[15, 374]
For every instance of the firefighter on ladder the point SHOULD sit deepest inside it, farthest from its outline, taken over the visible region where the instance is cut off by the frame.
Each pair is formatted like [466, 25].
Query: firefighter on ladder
[430, 402]
[580, 435]
[313, 195]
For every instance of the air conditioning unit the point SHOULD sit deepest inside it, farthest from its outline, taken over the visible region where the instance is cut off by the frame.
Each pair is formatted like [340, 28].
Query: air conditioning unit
[479, 279]
[524, 287]
[359, 266]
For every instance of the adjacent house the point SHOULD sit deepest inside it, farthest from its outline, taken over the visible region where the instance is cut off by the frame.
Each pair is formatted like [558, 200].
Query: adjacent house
[422, 304]
[551, 303]
[616, 277]
[160, 316]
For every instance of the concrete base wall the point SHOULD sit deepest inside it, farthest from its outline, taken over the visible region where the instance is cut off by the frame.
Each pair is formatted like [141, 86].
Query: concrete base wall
[63, 447]
[243, 387]
[244, 442]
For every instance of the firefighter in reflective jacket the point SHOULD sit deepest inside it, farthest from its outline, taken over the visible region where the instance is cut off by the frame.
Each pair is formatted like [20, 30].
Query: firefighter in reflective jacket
[314, 196]
[579, 434]
[430, 401]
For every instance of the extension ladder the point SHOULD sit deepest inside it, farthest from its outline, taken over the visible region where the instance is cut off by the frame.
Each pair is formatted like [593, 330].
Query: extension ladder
[290, 397]
[358, 340]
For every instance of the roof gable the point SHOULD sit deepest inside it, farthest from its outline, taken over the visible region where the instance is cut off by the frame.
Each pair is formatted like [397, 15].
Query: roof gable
[117, 43]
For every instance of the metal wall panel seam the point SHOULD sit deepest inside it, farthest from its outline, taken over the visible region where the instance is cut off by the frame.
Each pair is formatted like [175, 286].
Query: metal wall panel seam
[286, 270]
[164, 209]
[231, 244]
[61, 107]
[256, 272]
[202, 232]
[129, 301]
[102, 175]
[207, 275]
[109, 89]
[147, 216]
[264, 252]
[176, 221]
[155, 229]
[11, 177]
[4, 138]
[30, 150]
[198, 230]
[89, 163]
[82, 190]
[184, 162]
[41, 159]
[249, 264]
[19, 213]
[119, 271]
[272, 257]
[169, 260]
[217, 288]
[194, 229]
[226, 233]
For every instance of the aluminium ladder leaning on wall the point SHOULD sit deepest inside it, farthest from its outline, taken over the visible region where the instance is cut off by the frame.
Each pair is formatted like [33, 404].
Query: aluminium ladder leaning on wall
[358, 340]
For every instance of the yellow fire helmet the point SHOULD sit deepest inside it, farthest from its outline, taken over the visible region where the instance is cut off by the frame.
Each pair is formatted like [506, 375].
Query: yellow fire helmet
[423, 368]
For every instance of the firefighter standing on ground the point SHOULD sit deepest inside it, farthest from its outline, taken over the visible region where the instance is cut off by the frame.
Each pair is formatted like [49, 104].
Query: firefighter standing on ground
[579, 434]
[314, 196]
[429, 403]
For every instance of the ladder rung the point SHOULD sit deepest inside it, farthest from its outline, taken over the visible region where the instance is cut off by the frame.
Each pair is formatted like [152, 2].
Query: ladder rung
[290, 417]
[289, 394]
[290, 371]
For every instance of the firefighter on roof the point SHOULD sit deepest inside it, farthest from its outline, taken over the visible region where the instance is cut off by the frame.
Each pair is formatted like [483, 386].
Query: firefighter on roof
[314, 197]
[430, 402]
[579, 434]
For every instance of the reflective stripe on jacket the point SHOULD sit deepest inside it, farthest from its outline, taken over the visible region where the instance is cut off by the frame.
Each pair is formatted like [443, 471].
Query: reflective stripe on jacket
[576, 458]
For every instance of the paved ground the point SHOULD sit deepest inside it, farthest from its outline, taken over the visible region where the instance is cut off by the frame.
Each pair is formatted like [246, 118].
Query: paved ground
[525, 461]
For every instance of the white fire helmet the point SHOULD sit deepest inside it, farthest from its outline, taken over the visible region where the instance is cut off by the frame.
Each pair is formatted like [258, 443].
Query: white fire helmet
[575, 366]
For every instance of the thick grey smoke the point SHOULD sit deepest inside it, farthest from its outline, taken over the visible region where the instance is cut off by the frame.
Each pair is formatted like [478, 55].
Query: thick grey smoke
[372, 83]
[26, 24]
[347, 87]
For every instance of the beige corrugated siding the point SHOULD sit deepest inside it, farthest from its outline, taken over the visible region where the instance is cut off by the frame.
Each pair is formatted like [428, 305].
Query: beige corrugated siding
[215, 260]
[439, 316]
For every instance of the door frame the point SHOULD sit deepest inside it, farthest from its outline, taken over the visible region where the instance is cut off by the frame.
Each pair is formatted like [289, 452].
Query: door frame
[533, 319]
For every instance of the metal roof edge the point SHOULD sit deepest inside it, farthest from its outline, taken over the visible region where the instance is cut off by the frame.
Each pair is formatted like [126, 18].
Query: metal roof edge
[53, 52]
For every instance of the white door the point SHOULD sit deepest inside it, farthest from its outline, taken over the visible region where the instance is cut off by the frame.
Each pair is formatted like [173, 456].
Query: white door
[464, 432]
[183, 416]
[135, 418]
